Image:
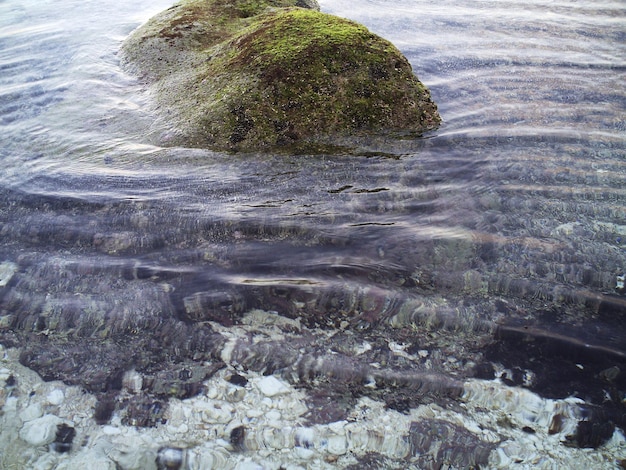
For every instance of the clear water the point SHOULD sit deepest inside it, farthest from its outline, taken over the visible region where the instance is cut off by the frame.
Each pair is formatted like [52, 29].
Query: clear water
[511, 216]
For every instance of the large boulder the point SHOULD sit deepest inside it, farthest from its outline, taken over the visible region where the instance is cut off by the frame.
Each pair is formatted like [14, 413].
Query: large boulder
[258, 74]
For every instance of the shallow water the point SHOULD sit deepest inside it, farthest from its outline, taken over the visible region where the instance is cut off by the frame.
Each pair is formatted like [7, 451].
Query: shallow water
[500, 238]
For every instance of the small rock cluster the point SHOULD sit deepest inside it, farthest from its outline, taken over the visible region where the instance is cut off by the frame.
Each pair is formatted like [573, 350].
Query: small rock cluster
[248, 421]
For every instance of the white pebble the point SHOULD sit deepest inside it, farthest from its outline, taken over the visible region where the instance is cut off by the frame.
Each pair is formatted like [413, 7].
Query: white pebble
[132, 381]
[55, 397]
[337, 445]
[338, 427]
[133, 453]
[10, 405]
[248, 466]
[273, 415]
[182, 429]
[31, 412]
[220, 414]
[304, 454]
[89, 459]
[7, 270]
[4, 374]
[270, 386]
[110, 430]
[254, 413]
[40, 431]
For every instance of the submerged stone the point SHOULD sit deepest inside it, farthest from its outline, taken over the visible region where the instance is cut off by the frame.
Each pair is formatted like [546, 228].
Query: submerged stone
[248, 75]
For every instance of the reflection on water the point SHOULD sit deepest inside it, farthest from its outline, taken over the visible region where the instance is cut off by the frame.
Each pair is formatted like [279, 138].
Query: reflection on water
[499, 239]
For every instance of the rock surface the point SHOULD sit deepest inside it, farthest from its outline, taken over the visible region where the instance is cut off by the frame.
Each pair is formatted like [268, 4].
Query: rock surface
[248, 75]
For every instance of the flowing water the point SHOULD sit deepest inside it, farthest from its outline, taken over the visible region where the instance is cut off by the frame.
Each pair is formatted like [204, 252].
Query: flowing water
[495, 246]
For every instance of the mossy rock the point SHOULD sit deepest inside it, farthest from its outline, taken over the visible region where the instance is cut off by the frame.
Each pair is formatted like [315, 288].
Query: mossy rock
[251, 75]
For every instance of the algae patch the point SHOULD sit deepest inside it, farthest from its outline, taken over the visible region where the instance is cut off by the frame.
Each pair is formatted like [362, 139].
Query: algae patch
[252, 75]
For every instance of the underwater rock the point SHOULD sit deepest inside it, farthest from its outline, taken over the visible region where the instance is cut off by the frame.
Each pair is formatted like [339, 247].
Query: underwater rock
[40, 431]
[251, 75]
[169, 458]
[270, 386]
[64, 438]
[458, 447]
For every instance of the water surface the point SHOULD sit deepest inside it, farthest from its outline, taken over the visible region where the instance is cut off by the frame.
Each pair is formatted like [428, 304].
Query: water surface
[495, 243]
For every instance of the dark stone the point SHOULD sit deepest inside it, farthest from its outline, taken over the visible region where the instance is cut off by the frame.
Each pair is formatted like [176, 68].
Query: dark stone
[328, 404]
[485, 371]
[399, 403]
[238, 380]
[439, 444]
[64, 437]
[591, 434]
[237, 436]
[513, 378]
[374, 461]
[564, 365]
[105, 406]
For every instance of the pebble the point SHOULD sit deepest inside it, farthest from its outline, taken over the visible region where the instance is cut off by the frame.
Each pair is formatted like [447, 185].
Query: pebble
[337, 445]
[55, 397]
[132, 381]
[111, 430]
[7, 270]
[31, 412]
[304, 454]
[4, 374]
[270, 386]
[40, 431]
[170, 458]
[222, 414]
[254, 413]
[248, 466]
[273, 415]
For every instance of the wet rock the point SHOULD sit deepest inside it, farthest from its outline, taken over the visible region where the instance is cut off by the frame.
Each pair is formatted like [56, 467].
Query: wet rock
[262, 74]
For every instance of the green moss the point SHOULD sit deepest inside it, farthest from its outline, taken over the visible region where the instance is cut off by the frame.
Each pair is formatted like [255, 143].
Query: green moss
[287, 37]
[276, 76]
